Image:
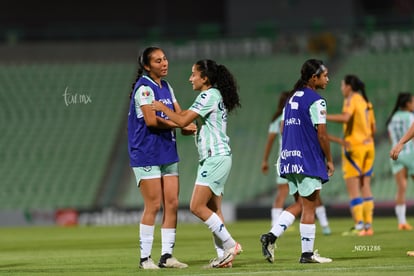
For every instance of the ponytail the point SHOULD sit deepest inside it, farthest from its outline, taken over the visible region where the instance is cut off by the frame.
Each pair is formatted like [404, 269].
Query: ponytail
[282, 101]
[357, 85]
[402, 100]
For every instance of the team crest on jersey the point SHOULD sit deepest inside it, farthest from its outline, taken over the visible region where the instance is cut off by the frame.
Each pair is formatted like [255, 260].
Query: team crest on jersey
[221, 106]
[147, 168]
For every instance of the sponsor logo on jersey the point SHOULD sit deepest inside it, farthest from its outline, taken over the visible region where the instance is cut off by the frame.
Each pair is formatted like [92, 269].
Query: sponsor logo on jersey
[290, 153]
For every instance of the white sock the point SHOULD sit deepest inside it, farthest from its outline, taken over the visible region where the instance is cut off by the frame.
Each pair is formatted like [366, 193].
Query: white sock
[321, 215]
[400, 212]
[307, 235]
[285, 220]
[275, 212]
[167, 240]
[218, 244]
[216, 226]
[146, 237]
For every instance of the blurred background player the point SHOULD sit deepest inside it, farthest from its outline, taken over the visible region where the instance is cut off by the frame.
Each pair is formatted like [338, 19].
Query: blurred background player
[398, 123]
[282, 184]
[273, 133]
[358, 153]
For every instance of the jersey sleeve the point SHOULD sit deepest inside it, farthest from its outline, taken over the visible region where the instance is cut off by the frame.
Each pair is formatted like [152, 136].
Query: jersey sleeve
[204, 104]
[274, 126]
[411, 119]
[144, 95]
[318, 112]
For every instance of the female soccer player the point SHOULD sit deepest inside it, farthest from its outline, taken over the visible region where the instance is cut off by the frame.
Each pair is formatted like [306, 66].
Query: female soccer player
[218, 96]
[358, 153]
[282, 184]
[305, 159]
[398, 123]
[153, 156]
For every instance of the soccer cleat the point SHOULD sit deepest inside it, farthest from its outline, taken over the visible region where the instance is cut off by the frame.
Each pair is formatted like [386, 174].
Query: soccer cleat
[366, 232]
[228, 265]
[168, 261]
[235, 250]
[147, 263]
[352, 232]
[405, 226]
[268, 246]
[410, 253]
[213, 264]
[326, 230]
[228, 256]
[315, 258]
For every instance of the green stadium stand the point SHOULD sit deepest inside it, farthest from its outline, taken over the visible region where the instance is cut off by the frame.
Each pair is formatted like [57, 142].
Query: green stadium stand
[55, 152]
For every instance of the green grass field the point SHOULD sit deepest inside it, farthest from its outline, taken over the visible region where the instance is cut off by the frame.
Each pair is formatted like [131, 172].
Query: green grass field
[113, 251]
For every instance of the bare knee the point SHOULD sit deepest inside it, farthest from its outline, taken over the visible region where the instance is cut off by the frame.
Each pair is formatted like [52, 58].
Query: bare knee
[171, 204]
[195, 209]
[152, 207]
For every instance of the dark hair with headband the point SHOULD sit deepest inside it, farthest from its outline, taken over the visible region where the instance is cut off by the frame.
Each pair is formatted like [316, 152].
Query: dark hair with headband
[143, 60]
[402, 100]
[220, 77]
[310, 68]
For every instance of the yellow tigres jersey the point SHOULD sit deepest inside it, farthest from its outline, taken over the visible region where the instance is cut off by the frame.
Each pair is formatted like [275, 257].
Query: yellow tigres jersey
[358, 130]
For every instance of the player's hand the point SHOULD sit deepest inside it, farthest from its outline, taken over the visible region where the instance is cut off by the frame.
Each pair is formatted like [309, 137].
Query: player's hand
[330, 167]
[265, 167]
[395, 151]
[189, 130]
[157, 106]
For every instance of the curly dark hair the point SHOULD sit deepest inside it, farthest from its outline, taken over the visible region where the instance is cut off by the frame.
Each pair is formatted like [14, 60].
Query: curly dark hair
[221, 78]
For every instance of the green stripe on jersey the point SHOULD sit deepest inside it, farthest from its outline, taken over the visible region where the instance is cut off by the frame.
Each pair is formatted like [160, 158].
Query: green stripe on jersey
[212, 139]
